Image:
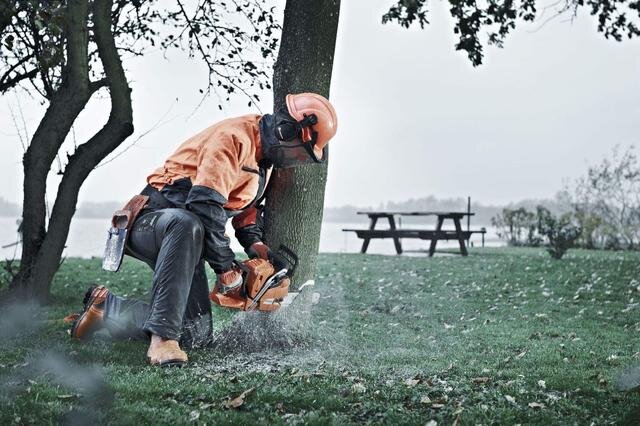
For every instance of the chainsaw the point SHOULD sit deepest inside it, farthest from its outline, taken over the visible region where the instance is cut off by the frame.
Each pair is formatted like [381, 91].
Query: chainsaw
[265, 284]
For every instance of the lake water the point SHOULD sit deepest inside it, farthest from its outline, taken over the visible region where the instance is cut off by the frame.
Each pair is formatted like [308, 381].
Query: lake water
[87, 238]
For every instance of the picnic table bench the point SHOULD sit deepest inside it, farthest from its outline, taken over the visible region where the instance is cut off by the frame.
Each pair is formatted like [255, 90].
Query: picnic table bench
[434, 235]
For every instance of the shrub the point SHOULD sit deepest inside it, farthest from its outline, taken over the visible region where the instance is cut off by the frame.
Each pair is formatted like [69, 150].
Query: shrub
[561, 232]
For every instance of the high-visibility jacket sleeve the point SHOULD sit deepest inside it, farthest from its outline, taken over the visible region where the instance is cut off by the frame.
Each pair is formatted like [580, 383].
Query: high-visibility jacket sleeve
[208, 204]
[248, 226]
[217, 171]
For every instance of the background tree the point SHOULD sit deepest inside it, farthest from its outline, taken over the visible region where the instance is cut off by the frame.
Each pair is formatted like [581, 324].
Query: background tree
[616, 19]
[607, 201]
[67, 50]
[295, 196]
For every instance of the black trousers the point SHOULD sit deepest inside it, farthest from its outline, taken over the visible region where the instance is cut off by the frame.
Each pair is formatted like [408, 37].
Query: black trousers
[170, 241]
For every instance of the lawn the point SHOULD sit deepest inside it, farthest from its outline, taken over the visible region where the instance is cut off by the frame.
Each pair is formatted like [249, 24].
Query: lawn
[503, 336]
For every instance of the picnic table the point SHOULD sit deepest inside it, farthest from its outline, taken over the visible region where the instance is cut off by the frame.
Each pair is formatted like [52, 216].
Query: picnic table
[434, 235]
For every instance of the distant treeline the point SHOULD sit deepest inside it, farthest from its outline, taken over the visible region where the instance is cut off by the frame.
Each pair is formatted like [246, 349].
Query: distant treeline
[483, 212]
[8, 209]
[85, 210]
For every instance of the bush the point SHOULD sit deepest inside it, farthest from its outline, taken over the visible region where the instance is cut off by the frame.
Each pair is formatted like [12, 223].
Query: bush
[561, 232]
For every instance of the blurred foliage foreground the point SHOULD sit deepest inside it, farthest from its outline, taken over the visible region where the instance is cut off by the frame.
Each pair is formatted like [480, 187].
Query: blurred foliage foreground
[503, 336]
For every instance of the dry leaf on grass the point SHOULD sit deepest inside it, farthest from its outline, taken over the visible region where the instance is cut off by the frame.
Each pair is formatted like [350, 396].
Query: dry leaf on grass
[69, 396]
[510, 399]
[425, 400]
[536, 405]
[358, 388]
[194, 415]
[239, 400]
[411, 382]
[480, 380]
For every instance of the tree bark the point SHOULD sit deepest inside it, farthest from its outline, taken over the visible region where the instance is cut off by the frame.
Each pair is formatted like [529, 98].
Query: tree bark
[295, 197]
[119, 126]
[68, 101]
[45, 252]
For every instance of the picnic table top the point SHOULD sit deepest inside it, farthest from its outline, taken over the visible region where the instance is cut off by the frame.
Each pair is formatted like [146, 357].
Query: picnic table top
[416, 213]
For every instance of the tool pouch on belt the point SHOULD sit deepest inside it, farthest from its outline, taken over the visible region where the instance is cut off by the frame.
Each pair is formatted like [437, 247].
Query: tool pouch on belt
[117, 236]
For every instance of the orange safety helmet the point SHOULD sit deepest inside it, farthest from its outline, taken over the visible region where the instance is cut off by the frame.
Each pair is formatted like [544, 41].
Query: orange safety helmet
[304, 105]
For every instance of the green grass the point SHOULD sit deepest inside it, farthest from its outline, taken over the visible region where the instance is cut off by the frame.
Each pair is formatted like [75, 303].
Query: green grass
[392, 340]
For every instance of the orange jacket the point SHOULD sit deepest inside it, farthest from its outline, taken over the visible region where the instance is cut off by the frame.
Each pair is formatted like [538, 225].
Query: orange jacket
[223, 157]
[216, 174]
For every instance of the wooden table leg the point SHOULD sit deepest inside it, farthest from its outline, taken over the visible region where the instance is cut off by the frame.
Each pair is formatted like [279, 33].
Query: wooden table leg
[365, 241]
[463, 247]
[396, 240]
[434, 241]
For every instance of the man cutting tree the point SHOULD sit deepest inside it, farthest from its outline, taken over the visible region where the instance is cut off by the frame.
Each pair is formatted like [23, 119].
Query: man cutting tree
[218, 174]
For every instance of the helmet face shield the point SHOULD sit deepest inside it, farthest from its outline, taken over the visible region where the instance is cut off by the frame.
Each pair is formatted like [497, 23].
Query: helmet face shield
[287, 142]
[293, 153]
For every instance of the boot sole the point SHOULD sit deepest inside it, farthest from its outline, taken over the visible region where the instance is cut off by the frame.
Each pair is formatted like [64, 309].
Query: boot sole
[168, 363]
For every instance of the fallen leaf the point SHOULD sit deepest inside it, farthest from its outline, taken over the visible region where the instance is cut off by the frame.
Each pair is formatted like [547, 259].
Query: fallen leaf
[449, 368]
[431, 423]
[480, 380]
[425, 400]
[536, 405]
[69, 396]
[411, 382]
[542, 384]
[194, 415]
[358, 388]
[521, 354]
[510, 399]
[239, 400]
[437, 406]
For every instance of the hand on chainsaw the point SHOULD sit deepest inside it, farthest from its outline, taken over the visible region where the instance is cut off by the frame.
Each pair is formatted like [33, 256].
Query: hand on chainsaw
[229, 280]
[259, 250]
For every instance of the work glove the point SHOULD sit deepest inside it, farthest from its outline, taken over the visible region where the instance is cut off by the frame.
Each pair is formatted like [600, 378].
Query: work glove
[229, 280]
[259, 250]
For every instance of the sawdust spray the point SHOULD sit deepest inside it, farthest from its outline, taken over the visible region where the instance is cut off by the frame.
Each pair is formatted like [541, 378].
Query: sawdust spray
[256, 331]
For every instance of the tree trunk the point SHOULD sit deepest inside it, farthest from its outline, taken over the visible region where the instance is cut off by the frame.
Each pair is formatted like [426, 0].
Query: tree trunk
[44, 253]
[67, 102]
[295, 197]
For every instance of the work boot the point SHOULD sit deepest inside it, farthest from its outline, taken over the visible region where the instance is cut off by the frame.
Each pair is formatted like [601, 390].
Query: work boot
[91, 318]
[165, 353]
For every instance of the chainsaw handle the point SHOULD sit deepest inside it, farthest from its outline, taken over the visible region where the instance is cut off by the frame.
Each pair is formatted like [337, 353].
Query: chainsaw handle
[285, 258]
[240, 266]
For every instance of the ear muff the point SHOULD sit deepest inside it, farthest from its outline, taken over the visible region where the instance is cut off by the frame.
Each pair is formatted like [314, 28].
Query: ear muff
[288, 130]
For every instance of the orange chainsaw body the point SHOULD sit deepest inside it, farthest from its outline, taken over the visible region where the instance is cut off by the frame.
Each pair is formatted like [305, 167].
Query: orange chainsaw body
[256, 273]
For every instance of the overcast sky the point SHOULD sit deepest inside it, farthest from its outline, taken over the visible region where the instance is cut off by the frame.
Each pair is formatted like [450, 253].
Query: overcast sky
[415, 118]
